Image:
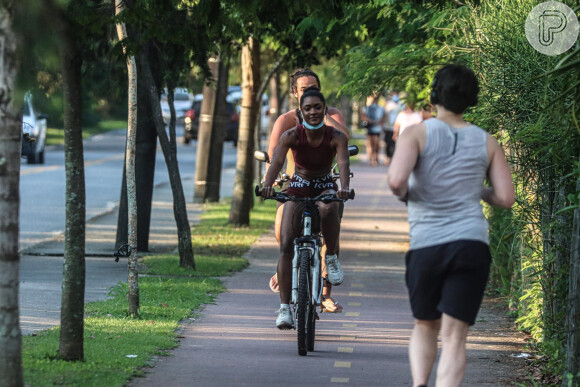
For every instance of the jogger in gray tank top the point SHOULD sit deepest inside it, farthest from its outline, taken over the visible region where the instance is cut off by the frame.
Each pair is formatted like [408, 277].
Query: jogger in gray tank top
[439, 168]
[445, 186]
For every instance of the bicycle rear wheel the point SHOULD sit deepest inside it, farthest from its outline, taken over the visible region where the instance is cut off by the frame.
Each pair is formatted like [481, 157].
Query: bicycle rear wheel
[302, 317]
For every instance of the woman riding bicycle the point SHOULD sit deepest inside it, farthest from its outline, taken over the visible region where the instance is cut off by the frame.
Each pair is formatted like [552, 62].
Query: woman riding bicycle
[314, 146]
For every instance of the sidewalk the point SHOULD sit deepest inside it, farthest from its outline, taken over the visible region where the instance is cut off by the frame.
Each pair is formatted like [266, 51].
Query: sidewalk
[234, 342]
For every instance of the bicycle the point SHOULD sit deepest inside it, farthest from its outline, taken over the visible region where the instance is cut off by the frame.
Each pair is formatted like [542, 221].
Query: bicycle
[307, 281]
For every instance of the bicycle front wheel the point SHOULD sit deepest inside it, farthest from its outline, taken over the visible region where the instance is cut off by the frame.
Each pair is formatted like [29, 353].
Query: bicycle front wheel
[311, 327]
[303, 301]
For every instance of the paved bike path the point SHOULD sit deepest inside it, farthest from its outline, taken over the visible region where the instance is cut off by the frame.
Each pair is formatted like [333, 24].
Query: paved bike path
[234, 342]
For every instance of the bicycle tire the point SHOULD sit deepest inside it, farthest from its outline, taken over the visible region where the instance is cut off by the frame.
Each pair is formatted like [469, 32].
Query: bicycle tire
[303, 301]
[311, 327]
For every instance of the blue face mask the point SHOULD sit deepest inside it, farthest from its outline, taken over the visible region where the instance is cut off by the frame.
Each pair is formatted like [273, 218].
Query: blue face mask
[312, 127]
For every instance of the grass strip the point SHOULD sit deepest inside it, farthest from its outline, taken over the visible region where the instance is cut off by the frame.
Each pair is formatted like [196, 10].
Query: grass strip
[117, 347]
[55, 136]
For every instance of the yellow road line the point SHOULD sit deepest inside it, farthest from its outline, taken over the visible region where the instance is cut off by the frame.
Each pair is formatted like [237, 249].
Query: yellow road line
[346, 349]
[353, 303]
[355, 294]
[345, 325]
[57, 167]
[40, 170]
[104, 160]
[352, 314]
[358, 286]
[339, 380]
[342, 364]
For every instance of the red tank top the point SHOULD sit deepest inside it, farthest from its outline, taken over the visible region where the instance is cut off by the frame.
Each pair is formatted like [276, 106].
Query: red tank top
[314, 158]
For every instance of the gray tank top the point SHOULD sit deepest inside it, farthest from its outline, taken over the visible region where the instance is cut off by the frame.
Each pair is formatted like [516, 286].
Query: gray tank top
[445, 186]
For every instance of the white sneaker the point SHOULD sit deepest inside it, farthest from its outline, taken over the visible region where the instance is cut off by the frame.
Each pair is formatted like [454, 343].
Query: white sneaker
[284, 320]
[335, 274]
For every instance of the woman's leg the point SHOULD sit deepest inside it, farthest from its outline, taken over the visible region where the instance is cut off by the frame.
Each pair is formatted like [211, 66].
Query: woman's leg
[376, 147]
[423, 350]
[330, 225]
[277, 223]
[369, 148]
[453, 355]
[333, 306]
[330, 221]
[284, 270]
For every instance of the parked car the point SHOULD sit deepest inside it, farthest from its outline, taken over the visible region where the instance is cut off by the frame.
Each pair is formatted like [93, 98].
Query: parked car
[33, 132]
[191, 121]
[182, 100]
[235, 97]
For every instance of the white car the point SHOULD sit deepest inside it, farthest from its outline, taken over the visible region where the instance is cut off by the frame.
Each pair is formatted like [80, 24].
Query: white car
[33, 132]
[235, 97]
[182, 100]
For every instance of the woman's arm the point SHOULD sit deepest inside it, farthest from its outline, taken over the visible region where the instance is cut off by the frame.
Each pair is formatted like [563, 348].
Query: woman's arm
[342, 159]
[501, 193]
[286, 141]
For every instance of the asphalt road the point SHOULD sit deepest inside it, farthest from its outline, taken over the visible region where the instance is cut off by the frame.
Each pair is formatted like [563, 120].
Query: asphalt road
[42, 187]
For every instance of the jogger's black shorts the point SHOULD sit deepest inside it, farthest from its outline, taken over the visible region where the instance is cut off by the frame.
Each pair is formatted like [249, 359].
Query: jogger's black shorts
[449, 278]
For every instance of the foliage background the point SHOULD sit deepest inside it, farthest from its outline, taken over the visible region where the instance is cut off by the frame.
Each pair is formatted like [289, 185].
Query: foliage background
[530, 109]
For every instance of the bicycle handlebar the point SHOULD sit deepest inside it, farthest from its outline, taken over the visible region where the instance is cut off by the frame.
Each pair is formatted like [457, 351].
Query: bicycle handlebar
[323, 197]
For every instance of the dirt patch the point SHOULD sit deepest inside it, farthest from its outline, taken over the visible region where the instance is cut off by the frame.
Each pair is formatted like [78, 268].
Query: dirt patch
[496, 350]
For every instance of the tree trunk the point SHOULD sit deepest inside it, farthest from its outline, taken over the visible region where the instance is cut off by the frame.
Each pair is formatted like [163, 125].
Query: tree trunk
[145, 154]
[242, 199]
[212, 127]
[221, 120]
[354, 117]
[274, 110]
[71, 346]
[186, 259]
[133, 275]
[10, 145]
[572, 367]
[146, 149]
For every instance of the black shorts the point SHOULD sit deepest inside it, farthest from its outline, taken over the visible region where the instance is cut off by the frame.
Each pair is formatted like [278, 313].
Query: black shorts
[448, 278]
[285, 187]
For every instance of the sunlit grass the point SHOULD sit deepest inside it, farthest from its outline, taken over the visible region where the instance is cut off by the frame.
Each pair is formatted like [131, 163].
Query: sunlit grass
[55, 136]
[117, 346]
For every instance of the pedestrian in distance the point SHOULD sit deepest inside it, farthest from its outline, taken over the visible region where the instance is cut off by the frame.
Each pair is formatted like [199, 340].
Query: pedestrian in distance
[300, 80]
[392, 109]
[374, 115]
[406, 118]
[439, 168]
[314, 146]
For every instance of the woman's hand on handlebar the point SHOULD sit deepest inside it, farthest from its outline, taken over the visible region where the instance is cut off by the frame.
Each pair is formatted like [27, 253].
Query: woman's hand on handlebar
[343, 194]
[268, 192]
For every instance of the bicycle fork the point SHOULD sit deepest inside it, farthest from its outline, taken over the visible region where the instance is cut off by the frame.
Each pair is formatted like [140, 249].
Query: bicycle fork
[307, 242]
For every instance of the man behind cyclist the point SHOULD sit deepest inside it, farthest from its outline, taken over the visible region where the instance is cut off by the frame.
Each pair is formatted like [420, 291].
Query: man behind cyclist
[300, 80]
[314, 146]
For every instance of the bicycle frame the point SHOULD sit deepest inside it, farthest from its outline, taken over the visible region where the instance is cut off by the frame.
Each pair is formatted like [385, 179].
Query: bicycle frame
[313, 244]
